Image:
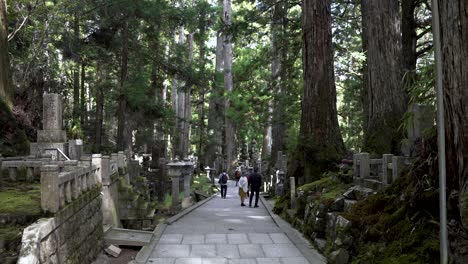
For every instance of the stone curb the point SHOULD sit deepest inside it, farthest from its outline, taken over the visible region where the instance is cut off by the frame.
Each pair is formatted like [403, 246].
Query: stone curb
[188, 210]
[302, 244]
[145, 252]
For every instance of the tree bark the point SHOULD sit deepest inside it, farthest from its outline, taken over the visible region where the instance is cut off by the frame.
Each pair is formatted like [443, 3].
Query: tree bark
[267, 130]
[201, 109]
[386, 100]
[216, 105]
[100, 74]
[230, 130]
[76, 68]
[320, 137]
[408, 35]
[278, 53]
[6, 85]
[121, 112]
[83, 94]
[454, 34]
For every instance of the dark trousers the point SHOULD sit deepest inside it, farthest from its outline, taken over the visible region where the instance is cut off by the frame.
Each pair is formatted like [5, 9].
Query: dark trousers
[223, 191]
[255, 191]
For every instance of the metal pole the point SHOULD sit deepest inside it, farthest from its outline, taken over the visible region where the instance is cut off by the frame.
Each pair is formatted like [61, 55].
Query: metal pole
[440, 133]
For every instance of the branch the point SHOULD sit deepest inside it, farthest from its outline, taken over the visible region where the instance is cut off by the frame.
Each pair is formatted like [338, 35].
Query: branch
[423, 50]
[13, 34]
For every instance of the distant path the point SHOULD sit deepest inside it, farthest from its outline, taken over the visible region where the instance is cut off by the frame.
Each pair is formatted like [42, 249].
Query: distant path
[223, 232]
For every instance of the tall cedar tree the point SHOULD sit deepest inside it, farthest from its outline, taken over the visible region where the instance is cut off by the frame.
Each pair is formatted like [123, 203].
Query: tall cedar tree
[230, 129]
[385, 100]
[6, 87]
[320, 137]
[454, 30]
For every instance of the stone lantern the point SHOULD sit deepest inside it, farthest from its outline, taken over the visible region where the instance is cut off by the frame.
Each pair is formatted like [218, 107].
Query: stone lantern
[209, 175]
[175, 171]
[187, 173]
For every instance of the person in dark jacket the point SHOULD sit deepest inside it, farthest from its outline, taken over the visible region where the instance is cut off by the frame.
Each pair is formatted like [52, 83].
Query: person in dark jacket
[255, 181]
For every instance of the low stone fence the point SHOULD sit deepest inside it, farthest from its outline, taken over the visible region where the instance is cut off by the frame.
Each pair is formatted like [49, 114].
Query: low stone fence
[378, 173]
[83, 196]
[61, 188]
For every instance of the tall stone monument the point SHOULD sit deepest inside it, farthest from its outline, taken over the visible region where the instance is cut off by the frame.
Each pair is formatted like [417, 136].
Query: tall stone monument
[52, 138]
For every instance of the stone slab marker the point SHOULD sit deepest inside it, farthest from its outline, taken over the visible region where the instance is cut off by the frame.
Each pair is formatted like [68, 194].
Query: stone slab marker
[293, 191]
[364, 166]
[52, 136]
[52, 112]
[398, 163]
[386, 172]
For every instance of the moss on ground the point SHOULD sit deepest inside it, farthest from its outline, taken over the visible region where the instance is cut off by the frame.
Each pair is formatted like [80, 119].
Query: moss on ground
[21, 200]
[399, 225]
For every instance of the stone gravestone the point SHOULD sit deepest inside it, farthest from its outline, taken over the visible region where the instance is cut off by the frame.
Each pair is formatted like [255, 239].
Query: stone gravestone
[52, 137]
[422, 118]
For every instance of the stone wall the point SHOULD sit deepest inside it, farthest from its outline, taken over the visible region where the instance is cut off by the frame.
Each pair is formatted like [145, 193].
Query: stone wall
[74, 235]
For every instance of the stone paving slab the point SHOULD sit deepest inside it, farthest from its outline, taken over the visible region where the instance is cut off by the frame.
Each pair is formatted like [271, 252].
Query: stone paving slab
[222, 232]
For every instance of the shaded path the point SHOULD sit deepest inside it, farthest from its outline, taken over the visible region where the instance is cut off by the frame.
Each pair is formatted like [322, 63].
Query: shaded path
[223, 232]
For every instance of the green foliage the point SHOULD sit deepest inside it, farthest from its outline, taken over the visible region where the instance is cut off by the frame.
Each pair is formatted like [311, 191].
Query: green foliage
[13, 141]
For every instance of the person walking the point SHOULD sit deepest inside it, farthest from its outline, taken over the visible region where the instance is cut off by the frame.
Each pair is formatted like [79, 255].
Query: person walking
[243, 188]
[223, 179]
[255, 181]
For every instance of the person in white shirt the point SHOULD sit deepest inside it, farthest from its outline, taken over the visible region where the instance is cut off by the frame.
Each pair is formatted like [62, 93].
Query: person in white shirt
[243, 188]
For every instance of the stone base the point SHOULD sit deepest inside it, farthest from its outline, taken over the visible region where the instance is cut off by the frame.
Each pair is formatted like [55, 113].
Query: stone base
[51, 136]
[187, 202]
[38, 149]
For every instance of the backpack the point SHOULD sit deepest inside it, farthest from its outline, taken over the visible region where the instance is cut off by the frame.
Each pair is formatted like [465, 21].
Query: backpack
[224, 179]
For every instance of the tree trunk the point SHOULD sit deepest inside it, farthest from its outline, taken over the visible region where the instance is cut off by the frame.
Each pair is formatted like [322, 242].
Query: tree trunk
[216, 105]
[188, 106]
[76, 69]
[278, 53]
[230, 130]
[408, 35]
[83, 94]
[320, 137]
[386, 100]
[100, 75]
[454, 30]
[267, 140]
[6, 86]
[201, 110]
[121, 112]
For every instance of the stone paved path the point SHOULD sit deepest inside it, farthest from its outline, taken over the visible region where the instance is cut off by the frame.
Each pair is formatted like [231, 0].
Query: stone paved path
[223, 232]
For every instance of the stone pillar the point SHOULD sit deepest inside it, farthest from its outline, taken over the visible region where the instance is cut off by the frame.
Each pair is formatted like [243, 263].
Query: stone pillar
[364, 165]
[386, 172]
[292, 182]
[187, 172]
[356, 169]
[105, 170]
[75, 148]
[398, 163]
[50, 192]
[96, 160]
[121, 159]
[52, 136]
[175, 172]
[52, 111]
[280, 186]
